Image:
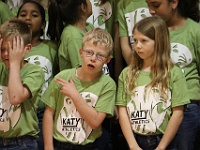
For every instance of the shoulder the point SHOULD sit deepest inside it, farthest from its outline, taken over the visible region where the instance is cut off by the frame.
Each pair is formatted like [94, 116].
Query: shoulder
[66, 73]
[32, 68]
[192, 25]
[51, 44]
[176, 73]
[71, 32]
[107, 81]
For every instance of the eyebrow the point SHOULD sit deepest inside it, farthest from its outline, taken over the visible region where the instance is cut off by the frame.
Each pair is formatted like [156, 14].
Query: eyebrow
[32, 11]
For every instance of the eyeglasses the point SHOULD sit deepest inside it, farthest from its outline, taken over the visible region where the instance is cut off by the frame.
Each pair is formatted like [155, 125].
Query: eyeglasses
[90, 53]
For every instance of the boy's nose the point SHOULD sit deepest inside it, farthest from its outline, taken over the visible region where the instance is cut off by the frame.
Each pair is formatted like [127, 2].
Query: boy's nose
[94, 57]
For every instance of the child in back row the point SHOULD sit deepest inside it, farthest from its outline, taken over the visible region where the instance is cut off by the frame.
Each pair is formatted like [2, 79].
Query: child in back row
[79, 99]
[21, 85]
[182, 18]
[43, 52]
[152, 91]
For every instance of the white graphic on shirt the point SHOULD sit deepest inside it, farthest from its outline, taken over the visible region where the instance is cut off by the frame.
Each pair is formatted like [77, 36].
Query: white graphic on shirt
[105, 69]
[46, 66]
[70, 124]
[180, 55]
[9, 114]
[101, 13]
[147, 109]
[133, 17]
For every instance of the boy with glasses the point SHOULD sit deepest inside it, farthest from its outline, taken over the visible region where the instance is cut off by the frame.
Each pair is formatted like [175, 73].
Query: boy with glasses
[79, 99]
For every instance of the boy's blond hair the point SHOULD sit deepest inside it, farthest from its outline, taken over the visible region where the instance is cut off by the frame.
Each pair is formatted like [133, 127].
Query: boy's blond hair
[15, 27]
[99, 36]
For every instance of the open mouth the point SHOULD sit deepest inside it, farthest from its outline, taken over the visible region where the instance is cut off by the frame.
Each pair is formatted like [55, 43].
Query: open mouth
[91, 66]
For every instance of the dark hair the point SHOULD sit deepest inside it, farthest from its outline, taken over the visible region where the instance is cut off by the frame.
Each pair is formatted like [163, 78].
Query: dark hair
[40, 8]
[189, 9]
[62, 13]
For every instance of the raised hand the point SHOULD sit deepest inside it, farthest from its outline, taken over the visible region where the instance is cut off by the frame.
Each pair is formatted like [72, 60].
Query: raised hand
[68, 87]
[17, 50]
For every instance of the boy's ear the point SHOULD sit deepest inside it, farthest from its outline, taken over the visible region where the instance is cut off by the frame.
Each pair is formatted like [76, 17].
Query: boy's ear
[108, 59]
[28, 48]
[80, 52]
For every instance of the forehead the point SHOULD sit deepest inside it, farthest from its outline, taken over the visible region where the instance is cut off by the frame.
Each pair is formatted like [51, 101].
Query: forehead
[30, 7]
[96, 46]
[155, 1]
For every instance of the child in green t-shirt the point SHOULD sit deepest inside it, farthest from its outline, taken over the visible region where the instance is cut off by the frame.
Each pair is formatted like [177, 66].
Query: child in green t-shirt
[20, 84]
[79, 99]
[42, 53]
[152, 91]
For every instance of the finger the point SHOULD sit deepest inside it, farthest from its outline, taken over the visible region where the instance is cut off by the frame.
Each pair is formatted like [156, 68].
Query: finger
[70, 80]
[9, 46]
[21, 43]
[60, 81]
[14, 43]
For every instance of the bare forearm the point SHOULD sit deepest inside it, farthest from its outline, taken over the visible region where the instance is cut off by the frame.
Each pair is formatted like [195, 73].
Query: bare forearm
[88, 113]
[126, 49]
[171, 129]
[16, 90]
[48, 130]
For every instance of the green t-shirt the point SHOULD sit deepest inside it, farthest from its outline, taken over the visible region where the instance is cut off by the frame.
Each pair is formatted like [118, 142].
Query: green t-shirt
[149, 113]
[129, 13]
[185, 45]
[71, 42]
[44, 56]
[5, 13]
[20, 120]
[68, 125]
[104, 16]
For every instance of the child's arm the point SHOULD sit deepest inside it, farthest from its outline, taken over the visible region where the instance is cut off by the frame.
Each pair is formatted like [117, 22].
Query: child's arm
[126, 129]
[48, 128]
[126, 49]
[16, 90]
[172, 127]
[89, 114]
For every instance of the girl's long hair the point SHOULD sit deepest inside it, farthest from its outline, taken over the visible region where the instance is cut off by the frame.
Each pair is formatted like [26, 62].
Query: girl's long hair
[156, 29]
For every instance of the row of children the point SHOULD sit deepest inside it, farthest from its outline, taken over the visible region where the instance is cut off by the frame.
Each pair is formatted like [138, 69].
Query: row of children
[70, 36]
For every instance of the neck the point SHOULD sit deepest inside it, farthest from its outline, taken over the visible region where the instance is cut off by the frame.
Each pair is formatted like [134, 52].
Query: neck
[82, 75]
[81, 25]
[146, 66]
[36, 40]
[176, 23]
